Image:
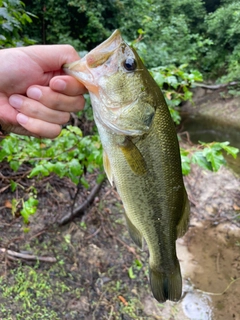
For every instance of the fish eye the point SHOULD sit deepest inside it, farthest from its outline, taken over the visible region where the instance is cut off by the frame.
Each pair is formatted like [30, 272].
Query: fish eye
[130, 64]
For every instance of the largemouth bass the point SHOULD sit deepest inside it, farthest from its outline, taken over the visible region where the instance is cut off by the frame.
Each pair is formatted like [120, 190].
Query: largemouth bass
[141, 154]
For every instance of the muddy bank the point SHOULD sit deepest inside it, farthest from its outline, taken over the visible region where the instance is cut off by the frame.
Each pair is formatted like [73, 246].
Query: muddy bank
[213, 281]
[216, 105]
[211, 263]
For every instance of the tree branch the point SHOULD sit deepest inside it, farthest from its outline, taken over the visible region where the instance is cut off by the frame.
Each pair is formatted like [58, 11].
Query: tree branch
[79, 211]
[25, 256]
[215, 86]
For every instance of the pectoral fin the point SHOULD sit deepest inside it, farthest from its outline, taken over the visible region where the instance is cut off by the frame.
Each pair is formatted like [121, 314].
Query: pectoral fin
[107, 167]
[183, 223]
[134, 157]
[134, 233]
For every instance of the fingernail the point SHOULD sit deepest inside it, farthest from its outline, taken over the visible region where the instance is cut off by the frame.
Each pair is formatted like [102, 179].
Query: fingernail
[59, 85]
[15, 101]
[21, 118]
[34, 93]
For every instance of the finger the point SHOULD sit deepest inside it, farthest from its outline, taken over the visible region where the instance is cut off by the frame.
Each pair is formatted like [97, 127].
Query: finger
[67, 85]
[37, 110]
[55, 100]
[54, 56]
[38, 127]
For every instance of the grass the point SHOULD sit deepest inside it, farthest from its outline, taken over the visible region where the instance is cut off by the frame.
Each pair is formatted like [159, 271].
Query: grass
[33, 293]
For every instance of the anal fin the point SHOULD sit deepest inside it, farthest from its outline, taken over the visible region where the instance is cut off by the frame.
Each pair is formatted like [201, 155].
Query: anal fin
[184, 221]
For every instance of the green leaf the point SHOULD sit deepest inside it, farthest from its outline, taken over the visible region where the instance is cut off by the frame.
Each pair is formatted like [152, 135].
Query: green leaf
[138, 264]
[3, 154]
[172, 80]
[100, 177]
[39, 170]
[75, 130]
[59, 168]
[216, 159]
[13, 185]
[200, 159]
[175, 115]
[29, 208]
[131, 273]
[84, 182]
[14, 164]
[185, 164]
[75, 167]
[230, 150]
[159, 78]
[187, 95]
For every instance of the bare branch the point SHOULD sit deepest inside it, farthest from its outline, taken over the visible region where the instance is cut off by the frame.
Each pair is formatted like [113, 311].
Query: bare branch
[25, 256]
[79, 211]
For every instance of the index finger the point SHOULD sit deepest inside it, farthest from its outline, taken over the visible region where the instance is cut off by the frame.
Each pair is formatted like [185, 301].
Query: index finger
[51, 57]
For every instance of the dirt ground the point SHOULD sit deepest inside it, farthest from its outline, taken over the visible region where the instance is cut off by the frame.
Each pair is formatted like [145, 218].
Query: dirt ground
[100, 274]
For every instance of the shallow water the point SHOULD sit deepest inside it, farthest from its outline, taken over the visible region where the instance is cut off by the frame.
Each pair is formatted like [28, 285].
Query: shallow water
[197, 306]
[201, 128]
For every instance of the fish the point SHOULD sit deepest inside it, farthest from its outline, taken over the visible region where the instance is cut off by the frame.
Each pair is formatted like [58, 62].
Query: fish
[141, 155]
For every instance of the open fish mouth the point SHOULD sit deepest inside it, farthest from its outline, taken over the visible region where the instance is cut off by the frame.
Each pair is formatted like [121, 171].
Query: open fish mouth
[82, 69]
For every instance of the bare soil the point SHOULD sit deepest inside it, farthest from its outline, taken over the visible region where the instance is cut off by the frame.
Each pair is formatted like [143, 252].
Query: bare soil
[97, 274]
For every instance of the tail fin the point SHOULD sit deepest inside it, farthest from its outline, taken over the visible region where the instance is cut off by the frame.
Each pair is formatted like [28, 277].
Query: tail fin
[166, 286]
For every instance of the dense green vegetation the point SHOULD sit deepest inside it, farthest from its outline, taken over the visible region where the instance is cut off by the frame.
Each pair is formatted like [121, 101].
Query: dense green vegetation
[202, 34]
[179, 41]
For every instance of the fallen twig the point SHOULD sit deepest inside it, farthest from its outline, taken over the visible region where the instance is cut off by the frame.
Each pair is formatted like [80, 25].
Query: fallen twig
[219, 293]
[27, 256]
[79, 211]
[216, 86]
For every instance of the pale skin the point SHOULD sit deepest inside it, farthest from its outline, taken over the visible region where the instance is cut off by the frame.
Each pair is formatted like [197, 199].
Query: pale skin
[36, 98]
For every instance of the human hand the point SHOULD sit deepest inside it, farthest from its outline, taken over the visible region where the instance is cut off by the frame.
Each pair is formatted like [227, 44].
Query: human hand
[36, 98]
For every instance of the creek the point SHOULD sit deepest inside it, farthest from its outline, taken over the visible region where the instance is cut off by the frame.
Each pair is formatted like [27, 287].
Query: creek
[205, 129]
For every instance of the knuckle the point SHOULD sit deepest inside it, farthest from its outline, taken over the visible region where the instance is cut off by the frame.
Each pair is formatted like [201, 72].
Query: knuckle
[29, 108]
[65, 117]
[79, 103]
[71, 53]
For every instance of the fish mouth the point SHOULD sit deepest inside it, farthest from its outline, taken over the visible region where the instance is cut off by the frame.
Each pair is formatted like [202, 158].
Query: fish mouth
[85, 69]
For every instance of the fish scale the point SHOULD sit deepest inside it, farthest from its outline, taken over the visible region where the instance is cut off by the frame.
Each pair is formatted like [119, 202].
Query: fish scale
[141, 155]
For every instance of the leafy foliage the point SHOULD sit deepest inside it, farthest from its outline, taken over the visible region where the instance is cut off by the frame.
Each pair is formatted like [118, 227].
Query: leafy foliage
[223, 27]
[12, 18]
[208, 156]
[69, 155]
[202, 34]
[175, 84]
